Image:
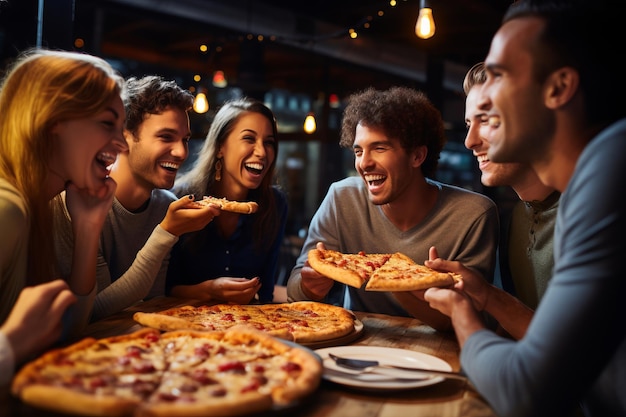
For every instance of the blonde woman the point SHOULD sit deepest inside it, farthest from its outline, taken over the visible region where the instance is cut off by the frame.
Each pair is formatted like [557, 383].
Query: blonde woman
[61, 120]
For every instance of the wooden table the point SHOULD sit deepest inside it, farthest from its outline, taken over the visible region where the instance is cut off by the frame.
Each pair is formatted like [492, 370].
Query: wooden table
[450, 398]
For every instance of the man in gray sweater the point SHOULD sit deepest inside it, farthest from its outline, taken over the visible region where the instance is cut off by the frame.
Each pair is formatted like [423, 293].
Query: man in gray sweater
[394, 205]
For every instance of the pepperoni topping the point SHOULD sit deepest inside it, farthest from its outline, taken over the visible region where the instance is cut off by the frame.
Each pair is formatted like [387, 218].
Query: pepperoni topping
[219, 392]
[258, 368]
[144, 367]
[202, 376]
[291, 367]
[310, 313]
[143, 388]
[228, 317]
[255, 384]
[98, 382]
[152, 337]
[232, 366]
[202, 351]
[168, 396]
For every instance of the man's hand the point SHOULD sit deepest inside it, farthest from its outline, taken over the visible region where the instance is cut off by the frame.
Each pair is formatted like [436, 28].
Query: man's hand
[314, 284]
[472, 284]
[183, 216]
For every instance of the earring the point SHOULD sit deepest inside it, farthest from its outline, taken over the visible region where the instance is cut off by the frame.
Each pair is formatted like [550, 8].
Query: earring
[218, 170]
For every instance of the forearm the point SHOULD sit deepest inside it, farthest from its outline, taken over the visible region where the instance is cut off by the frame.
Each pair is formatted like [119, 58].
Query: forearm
[137, 281]
[191, 292]
[513, 315]
[466, 321]
[423, 312]
[296, 291]
[82, 279]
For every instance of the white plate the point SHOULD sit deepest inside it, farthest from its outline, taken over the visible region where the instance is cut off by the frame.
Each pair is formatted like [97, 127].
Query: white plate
[384, 355]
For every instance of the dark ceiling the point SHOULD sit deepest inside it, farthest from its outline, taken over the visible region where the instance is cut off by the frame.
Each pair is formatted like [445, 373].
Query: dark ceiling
[302, 46]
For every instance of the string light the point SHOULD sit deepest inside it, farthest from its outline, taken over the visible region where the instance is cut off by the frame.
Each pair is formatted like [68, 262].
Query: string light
[425, 25]
[310, 125]
[200, 103]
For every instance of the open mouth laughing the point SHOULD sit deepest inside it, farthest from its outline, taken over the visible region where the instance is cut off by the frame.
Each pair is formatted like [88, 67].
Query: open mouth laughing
[255, 168]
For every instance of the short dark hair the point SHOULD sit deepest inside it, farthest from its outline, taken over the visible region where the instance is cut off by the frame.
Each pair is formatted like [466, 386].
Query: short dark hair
[402, 113]
[588, 36]
[152, 94]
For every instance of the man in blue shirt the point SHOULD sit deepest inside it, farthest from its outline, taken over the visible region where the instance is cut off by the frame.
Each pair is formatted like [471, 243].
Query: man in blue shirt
[554, 99]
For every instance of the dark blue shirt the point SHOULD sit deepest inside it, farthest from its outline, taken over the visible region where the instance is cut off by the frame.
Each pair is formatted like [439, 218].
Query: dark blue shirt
[205, 254]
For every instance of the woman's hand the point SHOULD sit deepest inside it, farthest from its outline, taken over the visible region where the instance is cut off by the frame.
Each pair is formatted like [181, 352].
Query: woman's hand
[87, 209]
[35, 320]
[223, 289]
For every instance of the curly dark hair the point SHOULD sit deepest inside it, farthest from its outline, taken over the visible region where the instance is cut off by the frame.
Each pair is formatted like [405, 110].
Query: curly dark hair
[401, 113]
[152, 94]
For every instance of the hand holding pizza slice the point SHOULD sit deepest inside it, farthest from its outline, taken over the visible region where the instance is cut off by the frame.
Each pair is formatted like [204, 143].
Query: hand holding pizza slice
[241, 207]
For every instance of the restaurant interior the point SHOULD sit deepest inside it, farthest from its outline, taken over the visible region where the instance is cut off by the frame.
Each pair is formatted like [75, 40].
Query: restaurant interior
[302, 58]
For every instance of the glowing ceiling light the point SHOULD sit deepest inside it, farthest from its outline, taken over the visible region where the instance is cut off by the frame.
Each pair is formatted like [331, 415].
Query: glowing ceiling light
[425, 25]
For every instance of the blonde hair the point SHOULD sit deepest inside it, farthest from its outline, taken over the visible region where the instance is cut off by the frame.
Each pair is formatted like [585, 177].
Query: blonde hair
[42, 88]
[476, 75]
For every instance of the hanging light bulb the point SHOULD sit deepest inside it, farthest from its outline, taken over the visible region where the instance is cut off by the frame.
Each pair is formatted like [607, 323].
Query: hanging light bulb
[310, 126]
[200, 103]
[425, 25]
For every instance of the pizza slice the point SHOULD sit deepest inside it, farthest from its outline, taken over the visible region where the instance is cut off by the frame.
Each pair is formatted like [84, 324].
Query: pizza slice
[310, 321]
[350, 269]
[401, 273]
[241, 207]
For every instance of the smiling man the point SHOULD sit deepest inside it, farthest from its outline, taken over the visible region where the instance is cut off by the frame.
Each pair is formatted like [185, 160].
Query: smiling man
[394, 205]
[555, 100]
[146, 219]
[525, 252]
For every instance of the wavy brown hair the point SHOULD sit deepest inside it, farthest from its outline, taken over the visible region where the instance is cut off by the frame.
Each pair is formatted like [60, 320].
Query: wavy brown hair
[200, 180]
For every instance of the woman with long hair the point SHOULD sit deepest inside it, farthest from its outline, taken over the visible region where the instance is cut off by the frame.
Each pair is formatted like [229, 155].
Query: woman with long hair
[235, 257]
[61, 119]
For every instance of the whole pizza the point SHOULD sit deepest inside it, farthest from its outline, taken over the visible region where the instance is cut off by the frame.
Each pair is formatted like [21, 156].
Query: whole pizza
[300, 322]
[184, 373]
